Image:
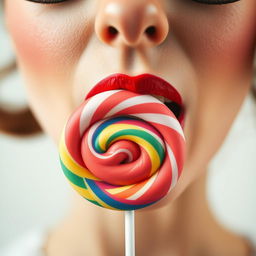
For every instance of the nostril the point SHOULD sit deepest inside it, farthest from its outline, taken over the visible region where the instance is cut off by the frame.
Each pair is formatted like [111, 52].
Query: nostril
[151, 31]
[112, 32]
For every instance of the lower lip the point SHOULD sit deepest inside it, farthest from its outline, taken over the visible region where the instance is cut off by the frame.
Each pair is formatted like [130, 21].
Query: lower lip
[139, 84]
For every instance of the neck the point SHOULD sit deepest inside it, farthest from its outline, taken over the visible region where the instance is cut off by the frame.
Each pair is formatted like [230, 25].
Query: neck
[183, 227]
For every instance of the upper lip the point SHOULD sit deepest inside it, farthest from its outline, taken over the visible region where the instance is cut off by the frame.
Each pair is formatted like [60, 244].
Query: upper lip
[143, 84]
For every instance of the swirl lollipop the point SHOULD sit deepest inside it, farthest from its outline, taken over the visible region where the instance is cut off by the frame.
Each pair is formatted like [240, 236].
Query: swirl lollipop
[122, 150]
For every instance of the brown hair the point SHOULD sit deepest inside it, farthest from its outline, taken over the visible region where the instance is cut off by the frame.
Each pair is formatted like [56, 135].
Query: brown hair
[21, 122]
[253, 89]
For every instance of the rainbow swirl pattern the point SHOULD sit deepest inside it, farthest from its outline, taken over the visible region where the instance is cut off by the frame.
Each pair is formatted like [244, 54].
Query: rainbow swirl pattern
[121, 150]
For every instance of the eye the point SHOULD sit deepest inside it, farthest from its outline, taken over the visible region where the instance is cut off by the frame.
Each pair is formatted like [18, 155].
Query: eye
[215, 1]
[47, 1]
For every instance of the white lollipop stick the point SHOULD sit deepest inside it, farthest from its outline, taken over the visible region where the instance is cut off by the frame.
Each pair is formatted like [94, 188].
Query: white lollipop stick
[129, 234]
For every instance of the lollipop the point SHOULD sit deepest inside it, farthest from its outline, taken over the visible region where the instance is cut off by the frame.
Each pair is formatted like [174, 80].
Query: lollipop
[122, 150]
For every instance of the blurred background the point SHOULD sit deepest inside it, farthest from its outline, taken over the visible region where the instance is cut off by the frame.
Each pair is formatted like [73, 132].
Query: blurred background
[34, 193]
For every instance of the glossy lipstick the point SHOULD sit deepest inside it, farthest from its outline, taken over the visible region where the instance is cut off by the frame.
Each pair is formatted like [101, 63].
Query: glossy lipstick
[143, 84]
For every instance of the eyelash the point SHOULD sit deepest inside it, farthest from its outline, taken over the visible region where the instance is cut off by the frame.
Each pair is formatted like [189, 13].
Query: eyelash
[213, 2]
[47, 1]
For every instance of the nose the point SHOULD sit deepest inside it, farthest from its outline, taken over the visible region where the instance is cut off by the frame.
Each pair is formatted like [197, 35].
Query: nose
[131, 22]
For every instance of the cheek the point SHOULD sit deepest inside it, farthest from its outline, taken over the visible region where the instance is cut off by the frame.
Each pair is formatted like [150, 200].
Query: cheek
[221, 39]
[46, 40]
[220, 45]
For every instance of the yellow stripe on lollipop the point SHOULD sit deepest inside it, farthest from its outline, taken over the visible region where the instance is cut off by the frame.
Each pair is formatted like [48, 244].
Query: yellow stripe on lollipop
[114, 191]
[153, 155]
[70, 163]
[97, 199]
[113, 128]
[82, 191]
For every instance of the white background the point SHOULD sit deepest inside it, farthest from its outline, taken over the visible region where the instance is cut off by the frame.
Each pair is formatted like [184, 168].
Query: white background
[34, 192]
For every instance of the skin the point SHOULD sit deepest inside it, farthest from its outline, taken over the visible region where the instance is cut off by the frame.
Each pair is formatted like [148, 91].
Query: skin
[205, 51]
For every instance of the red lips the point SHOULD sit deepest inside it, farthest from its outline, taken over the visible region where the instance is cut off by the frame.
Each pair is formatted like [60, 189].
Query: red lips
[143, 84]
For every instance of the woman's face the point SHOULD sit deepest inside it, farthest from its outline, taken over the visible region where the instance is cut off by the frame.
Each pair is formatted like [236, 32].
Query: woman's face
[205, 51]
